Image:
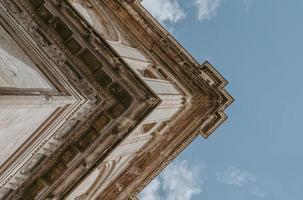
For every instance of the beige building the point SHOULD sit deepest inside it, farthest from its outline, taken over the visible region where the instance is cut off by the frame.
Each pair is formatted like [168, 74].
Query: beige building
[96, 98]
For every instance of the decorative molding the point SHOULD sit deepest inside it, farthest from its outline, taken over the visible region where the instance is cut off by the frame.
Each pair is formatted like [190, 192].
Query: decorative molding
[80, 76]
[112, 100]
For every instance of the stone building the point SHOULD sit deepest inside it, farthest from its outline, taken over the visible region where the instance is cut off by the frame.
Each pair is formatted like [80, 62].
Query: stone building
[96, 98]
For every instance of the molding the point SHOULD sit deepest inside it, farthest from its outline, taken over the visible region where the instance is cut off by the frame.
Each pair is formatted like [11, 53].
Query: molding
[143, 99]
[111, 100]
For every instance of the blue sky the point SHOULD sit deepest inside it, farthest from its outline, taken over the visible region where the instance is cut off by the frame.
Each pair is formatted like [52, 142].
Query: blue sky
[257, 153]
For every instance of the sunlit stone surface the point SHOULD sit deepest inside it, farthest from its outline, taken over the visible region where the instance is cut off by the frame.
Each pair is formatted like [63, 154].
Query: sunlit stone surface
[114, 102]
[17, 124]
[16, 68]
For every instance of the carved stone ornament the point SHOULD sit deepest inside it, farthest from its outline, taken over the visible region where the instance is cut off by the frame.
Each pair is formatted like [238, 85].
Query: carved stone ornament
[116, 99]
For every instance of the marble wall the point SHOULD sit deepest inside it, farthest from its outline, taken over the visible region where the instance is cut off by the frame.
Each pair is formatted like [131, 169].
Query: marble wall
[20, 115]
[16, 68]
[17, 124]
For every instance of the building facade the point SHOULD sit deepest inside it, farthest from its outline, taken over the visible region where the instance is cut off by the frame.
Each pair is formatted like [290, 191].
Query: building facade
[96, 99]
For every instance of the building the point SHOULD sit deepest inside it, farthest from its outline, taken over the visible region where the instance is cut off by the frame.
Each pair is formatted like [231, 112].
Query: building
[96, 98]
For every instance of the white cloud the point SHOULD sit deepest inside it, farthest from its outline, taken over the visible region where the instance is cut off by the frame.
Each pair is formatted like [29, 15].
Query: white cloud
[170, 11]
[207, 8]
[151, 192]
[242, 179]
[248, 4]
[234, 176]
[165, 11]
[178, 181]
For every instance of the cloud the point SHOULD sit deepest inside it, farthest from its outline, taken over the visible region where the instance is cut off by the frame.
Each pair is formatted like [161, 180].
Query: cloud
[207, 9]
[165, 11]
[151, 192]
[242, 179]
[234, 176]
[178, 181]
[170, 11]
[248, 4]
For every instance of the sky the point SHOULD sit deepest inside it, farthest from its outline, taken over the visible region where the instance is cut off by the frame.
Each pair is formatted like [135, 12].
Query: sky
[257, 153]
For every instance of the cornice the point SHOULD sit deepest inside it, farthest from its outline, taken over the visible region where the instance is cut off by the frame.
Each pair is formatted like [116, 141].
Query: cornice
[144, 99]
[206, 87]
[203, 86]
[161, 44]
[31, 152]
[217, 82]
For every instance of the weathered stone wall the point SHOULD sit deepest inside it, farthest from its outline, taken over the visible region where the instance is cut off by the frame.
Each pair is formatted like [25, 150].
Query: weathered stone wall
[148, 99]
[16, 68]
[17, 124]
[172, 99]
[19, 119]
